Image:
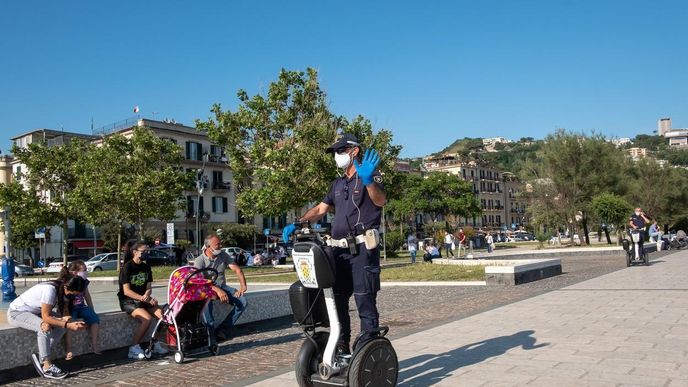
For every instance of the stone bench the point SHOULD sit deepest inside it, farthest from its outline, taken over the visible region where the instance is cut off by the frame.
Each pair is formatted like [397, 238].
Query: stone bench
[510, 271]
[117, 329]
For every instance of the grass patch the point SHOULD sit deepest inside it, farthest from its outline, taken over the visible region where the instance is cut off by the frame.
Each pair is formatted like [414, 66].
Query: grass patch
[417, 272]
[430, 272]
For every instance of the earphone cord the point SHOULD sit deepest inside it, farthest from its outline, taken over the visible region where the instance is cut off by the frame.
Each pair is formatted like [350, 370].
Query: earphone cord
[358, 221]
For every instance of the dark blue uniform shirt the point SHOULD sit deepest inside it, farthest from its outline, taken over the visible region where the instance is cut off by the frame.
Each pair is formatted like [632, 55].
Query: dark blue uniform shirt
[638, 221]
[348, 196]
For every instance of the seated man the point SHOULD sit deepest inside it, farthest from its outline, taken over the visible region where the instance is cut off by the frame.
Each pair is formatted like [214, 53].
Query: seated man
[212, 257]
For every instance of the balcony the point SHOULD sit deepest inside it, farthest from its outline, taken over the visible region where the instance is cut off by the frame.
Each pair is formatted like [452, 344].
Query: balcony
[205, 216]
[219, 159]
[221, 186]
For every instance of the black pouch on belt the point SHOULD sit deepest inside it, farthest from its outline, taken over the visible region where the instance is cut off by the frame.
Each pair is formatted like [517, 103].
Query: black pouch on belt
[353, 248]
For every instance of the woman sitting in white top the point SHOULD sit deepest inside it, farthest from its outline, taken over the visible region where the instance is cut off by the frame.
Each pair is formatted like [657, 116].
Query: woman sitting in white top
[35, 310]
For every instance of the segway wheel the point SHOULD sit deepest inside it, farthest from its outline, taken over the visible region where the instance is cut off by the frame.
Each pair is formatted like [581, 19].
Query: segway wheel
[178, 357]
[629, 258]
[375, 364]
[308, 358]
[214, 349]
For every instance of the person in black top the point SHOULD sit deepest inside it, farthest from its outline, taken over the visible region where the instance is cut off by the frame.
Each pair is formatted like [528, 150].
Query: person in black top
[135, 297]
[357, 198]
[637, 221]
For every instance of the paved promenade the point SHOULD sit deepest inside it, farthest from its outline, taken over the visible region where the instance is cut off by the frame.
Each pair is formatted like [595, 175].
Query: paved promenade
[629, 327]
[461, 317]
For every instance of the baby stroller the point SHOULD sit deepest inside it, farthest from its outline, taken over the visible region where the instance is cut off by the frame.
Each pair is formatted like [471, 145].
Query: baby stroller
[183, 323]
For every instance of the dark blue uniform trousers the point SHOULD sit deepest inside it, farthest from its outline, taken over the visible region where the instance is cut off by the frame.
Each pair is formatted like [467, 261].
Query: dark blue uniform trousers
[358, 275]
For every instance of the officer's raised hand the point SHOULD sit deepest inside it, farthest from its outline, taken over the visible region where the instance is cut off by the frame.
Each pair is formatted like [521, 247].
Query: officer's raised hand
[367, 167]
[287, 231]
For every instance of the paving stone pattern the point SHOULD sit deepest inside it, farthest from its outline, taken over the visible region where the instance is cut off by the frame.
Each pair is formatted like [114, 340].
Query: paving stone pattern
[269, 348]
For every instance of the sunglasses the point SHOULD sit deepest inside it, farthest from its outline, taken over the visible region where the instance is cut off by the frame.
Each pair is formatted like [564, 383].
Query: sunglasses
[343, 150]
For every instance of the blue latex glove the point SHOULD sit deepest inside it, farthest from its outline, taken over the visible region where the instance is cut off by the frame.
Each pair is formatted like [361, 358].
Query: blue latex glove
[287, 231]
[366, 168]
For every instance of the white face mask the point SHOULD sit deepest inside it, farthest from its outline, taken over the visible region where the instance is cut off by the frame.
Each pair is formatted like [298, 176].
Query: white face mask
[216, 252]
[82, 274]
[343, 160]
[637, 214]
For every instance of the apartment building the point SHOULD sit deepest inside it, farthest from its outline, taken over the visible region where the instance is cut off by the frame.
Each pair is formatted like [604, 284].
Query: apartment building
[5, 178]
[496, 190]
[215, 206]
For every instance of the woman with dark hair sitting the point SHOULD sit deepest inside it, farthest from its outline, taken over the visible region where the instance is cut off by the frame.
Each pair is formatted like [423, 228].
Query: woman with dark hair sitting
[135, 298]
[35, 310]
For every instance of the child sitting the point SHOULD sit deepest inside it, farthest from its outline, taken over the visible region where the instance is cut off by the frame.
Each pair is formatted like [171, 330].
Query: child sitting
[80, 307]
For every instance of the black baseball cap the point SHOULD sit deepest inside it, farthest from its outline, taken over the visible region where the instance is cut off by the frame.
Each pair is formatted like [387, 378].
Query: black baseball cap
[343, 141]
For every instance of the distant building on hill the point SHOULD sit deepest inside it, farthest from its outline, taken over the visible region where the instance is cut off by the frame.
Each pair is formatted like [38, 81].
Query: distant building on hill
[678, 137]
[619, 142]
[637, 153]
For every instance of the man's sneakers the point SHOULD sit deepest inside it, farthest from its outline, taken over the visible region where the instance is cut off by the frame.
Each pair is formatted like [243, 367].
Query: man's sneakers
[135, 352]
[159, 349]
[53, 372]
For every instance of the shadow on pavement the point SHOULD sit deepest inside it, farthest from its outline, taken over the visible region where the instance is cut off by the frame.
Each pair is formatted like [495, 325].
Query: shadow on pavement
[425, 370]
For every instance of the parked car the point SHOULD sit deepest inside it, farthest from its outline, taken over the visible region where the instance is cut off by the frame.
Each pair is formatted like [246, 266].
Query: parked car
[159, 258]
[107, 261]
[56, 265]
[22, 270]
[240, 255]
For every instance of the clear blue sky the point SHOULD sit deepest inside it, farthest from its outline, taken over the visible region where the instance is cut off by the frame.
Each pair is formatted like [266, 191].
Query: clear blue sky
[430, 71]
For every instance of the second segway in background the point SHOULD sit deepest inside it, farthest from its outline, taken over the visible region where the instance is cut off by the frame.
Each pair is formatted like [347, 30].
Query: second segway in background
[635, 253]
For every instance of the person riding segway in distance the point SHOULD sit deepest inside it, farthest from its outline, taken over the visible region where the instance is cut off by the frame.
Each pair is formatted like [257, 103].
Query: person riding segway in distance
[357, 198]
[637, 221]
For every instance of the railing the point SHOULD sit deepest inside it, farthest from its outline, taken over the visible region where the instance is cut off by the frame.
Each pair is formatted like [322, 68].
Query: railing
[111, 128]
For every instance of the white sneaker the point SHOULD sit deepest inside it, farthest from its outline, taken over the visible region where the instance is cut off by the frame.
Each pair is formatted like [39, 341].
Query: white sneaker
[135, 352]
[159, 349]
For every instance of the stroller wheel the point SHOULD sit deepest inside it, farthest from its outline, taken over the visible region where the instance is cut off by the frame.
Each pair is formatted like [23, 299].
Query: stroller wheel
[148, 353]
[214, 349]
[178, 357]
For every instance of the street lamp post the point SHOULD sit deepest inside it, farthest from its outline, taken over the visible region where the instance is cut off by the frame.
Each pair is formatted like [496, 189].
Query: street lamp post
[201, 180]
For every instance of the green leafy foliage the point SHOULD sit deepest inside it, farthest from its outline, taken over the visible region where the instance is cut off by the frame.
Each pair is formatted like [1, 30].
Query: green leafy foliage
[571, 169]
[394, 240]
[662, 192]
[234, 234]
[276, 144]
[611, 209]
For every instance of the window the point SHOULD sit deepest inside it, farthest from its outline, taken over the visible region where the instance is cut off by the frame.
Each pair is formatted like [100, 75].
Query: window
[499, 219]
[218, 183]
[219, 204]
[191, 202]
[194, 151]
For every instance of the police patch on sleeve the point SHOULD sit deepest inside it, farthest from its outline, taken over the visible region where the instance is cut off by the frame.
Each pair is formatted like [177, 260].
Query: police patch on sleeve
[378, 179]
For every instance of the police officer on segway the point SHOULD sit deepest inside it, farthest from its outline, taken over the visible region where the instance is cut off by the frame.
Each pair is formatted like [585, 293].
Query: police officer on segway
[357, 198]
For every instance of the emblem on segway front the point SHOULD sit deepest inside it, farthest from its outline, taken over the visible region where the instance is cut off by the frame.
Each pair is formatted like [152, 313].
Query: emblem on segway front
[305, 268]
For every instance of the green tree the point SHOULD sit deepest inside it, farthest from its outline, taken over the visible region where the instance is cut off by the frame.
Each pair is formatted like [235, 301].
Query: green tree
[25, 212]
[571, 169]
[662, 191]
[132, 179]
[233, 234]
[275, 144]
[612, 210]
[52, 173]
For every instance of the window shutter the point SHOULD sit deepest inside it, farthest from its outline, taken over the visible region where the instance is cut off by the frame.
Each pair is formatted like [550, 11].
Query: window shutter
[199, 151]
[189, 205]
[214, 206]
[188, 150]
[224, 204]
[200, 207]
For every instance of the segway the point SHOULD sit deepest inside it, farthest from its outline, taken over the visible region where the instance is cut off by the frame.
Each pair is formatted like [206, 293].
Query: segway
[634, 254]
[373, 363]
